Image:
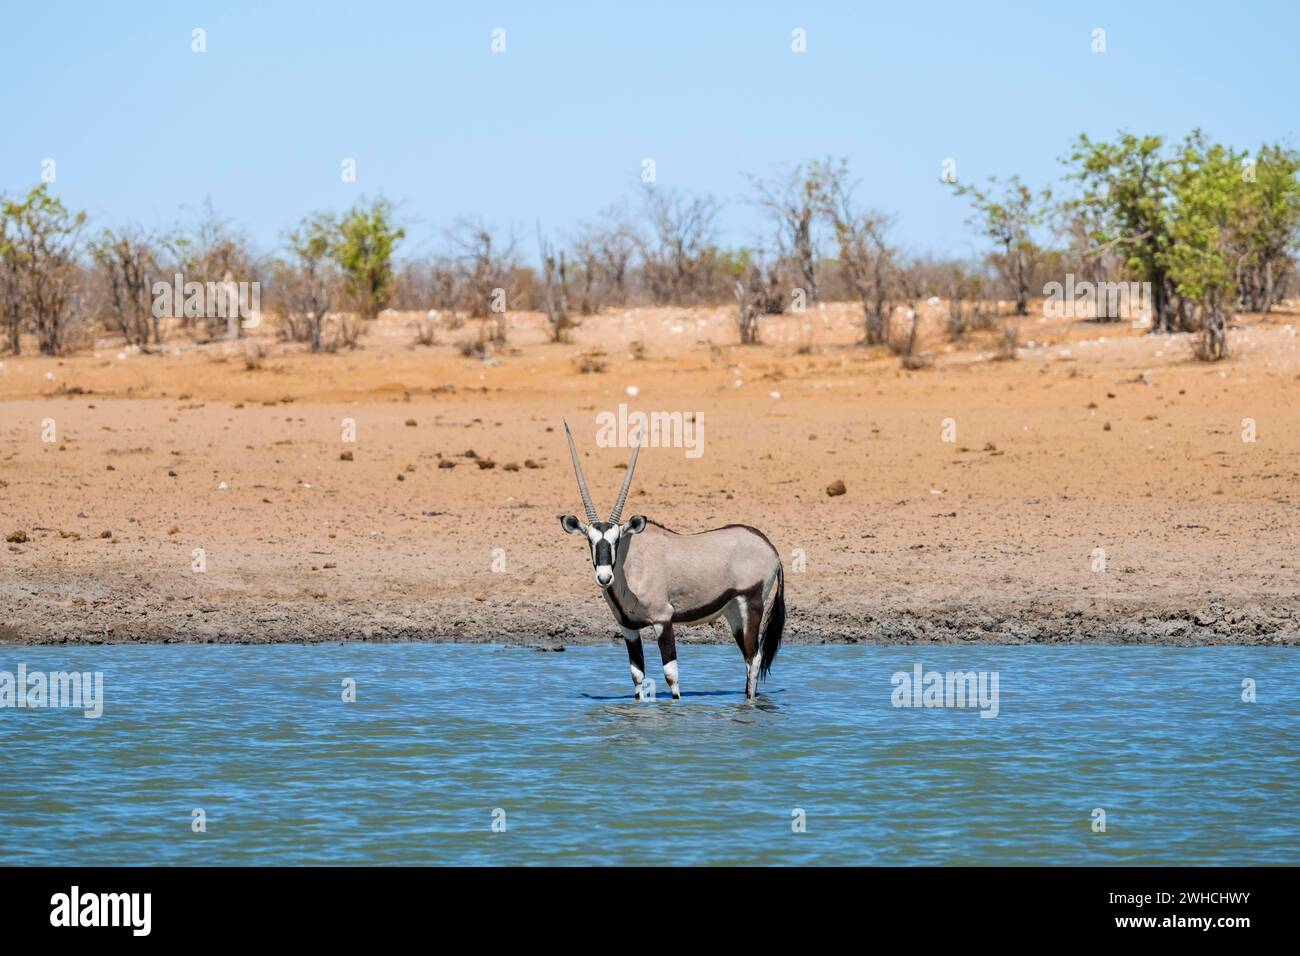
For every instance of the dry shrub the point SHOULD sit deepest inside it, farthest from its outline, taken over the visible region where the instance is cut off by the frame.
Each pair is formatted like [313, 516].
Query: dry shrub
[807, 337]
[592, 361]
[918, 360]
[254, 355]
[984, 315]
[901, 340]
[1009, 343]
[426, 333]
[347, 332]
[480, 347]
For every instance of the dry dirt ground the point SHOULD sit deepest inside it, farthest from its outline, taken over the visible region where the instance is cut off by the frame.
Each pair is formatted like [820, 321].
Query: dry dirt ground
[1096, 437]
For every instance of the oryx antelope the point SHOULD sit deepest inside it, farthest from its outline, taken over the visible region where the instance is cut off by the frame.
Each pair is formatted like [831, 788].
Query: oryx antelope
[654, 577]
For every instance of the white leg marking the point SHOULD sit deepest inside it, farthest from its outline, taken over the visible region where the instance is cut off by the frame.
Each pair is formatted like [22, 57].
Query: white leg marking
[751, 676]
[751, 664]
[670, 669]
[670, 675]
[632, 636]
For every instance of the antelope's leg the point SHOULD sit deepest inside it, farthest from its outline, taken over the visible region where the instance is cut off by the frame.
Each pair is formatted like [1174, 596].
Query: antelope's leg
[635, 658]
[736, 621]
[753, 613]
[668, 651]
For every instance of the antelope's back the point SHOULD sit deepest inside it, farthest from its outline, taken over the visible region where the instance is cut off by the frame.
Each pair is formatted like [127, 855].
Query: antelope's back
[735, 557]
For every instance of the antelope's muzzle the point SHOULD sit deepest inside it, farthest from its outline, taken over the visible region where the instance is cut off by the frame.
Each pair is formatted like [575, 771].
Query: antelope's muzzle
[604, 563]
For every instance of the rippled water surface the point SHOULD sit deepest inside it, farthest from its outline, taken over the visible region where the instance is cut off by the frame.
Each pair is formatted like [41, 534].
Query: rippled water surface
[442, 737]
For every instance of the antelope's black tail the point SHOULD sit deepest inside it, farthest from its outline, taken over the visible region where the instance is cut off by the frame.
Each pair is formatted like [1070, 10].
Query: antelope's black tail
[771, 638]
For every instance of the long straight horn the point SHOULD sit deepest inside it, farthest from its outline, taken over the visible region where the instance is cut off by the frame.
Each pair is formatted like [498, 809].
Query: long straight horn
[582, 482]
[627, 481]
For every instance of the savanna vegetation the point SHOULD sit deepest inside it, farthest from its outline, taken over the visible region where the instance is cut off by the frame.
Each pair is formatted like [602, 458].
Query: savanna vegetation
[1214, 230]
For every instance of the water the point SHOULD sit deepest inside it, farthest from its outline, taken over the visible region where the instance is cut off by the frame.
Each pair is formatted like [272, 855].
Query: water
[441, 736]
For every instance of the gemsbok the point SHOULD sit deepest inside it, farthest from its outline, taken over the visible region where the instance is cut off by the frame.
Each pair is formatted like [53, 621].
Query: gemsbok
[654, 577]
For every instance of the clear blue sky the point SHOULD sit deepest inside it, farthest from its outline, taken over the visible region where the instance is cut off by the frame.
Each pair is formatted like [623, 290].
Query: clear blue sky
[141, 128]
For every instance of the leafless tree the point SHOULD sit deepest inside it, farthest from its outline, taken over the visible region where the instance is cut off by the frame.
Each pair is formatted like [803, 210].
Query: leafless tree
[866, 259]
[555, 289]
[11, 288]
[213, 251]
[677, 252]
[794, 199]
[746, 315]
[911, 282]
[412, 286]
[616, 242]
[127, 264]
[484, 266]
[309, 283]
[586, 252]
[966, 297]
[604, 251]
[446, 290]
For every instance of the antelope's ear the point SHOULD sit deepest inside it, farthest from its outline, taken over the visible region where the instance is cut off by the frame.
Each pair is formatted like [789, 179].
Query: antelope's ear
[635, 525]
[570, 523]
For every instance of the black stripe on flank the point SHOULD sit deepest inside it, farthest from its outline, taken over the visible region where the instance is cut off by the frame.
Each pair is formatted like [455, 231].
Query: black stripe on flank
[686, 615]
